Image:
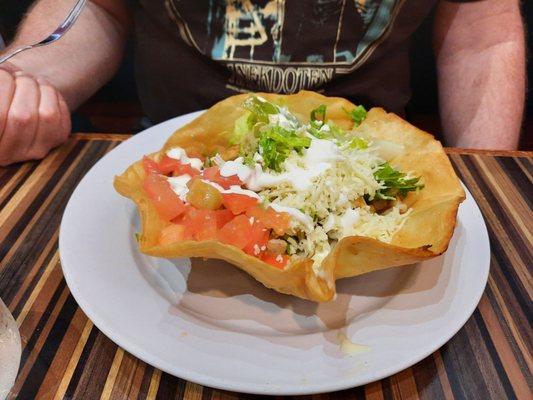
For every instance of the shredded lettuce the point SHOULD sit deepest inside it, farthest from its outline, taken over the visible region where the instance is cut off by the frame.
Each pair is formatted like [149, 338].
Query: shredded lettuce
[256, 132]
[395, 183]
[276, 144]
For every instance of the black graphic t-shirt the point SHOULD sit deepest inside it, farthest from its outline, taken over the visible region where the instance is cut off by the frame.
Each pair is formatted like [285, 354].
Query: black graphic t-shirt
[192, 53]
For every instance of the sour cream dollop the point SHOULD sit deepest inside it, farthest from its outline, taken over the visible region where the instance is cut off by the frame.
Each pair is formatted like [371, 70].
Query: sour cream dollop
[178, 153]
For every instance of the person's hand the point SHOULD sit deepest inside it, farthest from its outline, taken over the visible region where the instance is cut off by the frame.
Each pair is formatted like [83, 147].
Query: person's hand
[34, 117]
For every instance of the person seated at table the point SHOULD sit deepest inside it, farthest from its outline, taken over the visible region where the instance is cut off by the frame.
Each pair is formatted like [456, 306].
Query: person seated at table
[191, 54]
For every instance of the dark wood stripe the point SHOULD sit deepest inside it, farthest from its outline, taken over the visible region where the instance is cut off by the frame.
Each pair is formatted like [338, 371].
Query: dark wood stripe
[522, 313]
[46, 355]
[22, 179]
[145, 383]
[42, 321]
[59, 371]
[76, 377]
[527, 163]
[15, 311]
[6, 173]
[428, 387]
[88, 382]
[515, 294]
[356, 394]
[387, 389]
[170, 387]
[521, 182]
[207, 393]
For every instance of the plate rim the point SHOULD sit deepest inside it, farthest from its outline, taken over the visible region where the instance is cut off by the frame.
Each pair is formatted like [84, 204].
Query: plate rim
[261, 389]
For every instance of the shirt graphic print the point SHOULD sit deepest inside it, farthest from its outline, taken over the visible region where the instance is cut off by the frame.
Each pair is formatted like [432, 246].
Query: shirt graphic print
[284, 46]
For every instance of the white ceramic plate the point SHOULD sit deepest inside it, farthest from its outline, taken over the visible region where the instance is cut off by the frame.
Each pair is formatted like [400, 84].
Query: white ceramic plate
[214, 325]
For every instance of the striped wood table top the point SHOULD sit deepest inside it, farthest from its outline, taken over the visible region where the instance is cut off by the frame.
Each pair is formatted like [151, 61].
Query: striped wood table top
[65, 357]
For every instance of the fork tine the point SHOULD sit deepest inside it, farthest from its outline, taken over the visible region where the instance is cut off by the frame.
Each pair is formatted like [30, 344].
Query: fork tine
[73, 15]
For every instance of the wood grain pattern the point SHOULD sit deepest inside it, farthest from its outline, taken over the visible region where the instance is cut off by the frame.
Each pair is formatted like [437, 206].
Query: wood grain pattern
[66, 357]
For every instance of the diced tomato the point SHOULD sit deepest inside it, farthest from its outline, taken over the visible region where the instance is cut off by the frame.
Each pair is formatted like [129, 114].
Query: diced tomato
[228, 181]
[201, 224]
[166, 202]
[238, 203]
[213, 174]
[279, 261]
[169, 165]
[172, 234]
[186, 169]
[179, 219]
[208, 231]
[278, 221]
[150, 166]
[258, 239]
[223, 217]
[236, 232]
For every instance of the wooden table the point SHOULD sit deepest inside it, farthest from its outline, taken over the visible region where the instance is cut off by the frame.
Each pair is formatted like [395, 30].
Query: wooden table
[65, 356]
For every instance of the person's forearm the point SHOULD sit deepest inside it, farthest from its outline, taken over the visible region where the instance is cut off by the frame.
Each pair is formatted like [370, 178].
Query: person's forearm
[480, 56]
[80, 62]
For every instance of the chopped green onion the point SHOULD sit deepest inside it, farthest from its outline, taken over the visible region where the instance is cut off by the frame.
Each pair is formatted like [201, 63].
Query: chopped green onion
[259, 110]
[319, 113]
[358, 114]
[358, 143]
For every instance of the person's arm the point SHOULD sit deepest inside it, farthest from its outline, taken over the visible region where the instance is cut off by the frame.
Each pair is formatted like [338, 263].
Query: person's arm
[38, 87]
[480, 54]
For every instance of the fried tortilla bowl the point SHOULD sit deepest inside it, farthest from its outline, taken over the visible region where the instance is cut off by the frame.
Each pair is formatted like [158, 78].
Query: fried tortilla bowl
[425, 233]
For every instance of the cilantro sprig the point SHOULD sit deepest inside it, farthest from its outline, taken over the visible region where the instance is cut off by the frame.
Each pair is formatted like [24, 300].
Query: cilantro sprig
[396, 183]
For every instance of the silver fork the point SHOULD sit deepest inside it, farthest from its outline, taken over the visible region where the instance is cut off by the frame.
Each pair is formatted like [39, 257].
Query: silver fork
[56, 35]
